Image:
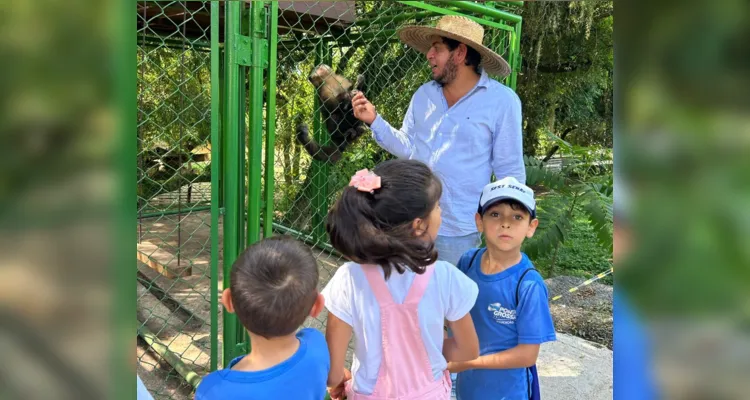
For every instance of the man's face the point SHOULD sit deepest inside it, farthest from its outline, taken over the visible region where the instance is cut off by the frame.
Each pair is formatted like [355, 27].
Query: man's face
[441, 61]
[505, 228]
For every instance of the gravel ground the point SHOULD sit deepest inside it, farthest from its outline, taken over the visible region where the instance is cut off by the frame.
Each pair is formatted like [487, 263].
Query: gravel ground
[586, 313]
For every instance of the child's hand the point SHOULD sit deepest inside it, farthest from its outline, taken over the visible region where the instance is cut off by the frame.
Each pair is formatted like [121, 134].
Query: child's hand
[338, 391]
[456, 367]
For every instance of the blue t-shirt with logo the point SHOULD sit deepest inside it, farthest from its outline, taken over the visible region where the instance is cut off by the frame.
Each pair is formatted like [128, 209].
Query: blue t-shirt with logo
[303, 376]
[501, 324]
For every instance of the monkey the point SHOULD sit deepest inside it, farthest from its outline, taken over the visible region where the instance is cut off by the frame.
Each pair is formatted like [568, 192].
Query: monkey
[335, 93]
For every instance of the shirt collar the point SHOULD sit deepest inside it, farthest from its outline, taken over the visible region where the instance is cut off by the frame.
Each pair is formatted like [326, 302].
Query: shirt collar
[484, 81]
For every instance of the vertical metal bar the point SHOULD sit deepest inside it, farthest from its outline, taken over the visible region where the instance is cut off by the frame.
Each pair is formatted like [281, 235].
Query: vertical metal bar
[242, 166]
[271, 119]
[233, 214]
[516, 48]
[255, 134]
[215, 162]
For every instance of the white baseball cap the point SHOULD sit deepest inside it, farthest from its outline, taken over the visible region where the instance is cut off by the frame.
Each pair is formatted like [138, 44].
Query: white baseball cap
[507, 188]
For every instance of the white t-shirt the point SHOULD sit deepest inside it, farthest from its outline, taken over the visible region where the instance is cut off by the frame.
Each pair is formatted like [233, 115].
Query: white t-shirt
[449, 295]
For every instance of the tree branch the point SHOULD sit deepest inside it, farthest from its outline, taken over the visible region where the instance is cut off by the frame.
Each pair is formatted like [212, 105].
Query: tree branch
[556, 147]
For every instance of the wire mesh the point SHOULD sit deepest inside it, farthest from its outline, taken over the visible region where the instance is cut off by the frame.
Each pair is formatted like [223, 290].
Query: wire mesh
[174, 195]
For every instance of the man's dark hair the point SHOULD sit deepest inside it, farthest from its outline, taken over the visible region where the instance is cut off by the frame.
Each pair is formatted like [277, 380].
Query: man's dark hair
[473, 58]
[274, 286]
[376, 228]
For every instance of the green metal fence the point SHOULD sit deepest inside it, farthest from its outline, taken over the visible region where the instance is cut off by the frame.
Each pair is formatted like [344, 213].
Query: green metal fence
[178, 245]
[222, 90]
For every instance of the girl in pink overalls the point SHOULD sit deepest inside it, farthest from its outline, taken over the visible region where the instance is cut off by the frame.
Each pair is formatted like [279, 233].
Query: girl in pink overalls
[394, 296]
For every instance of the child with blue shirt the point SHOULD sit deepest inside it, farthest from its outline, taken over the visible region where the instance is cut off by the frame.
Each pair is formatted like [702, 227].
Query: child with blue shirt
[511, 314]
[273, 288]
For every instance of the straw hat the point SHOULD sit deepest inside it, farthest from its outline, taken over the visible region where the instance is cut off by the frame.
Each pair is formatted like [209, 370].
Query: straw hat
[458, 28]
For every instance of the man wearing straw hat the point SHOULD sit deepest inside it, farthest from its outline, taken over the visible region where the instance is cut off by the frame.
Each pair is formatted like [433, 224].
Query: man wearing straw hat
[463, 124]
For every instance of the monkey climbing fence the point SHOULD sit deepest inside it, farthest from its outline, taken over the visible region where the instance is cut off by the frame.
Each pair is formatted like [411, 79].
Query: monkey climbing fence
[224, 97]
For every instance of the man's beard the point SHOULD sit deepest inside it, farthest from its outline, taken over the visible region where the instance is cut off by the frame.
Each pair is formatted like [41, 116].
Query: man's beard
[449, 73]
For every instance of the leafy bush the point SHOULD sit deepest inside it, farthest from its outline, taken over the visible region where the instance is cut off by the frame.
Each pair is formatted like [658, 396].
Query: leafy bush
[580, 255]
[574, 207]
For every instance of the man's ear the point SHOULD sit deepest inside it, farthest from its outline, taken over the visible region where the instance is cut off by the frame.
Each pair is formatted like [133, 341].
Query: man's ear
[317, 306]
[226, 300]
[461, 52]
[478, 222]
[532, 227]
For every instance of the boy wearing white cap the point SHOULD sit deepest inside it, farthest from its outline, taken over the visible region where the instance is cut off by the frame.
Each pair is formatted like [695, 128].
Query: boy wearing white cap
[511, 314]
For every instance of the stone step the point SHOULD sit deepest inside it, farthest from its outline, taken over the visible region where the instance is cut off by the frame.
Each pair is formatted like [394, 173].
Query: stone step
[162, 261]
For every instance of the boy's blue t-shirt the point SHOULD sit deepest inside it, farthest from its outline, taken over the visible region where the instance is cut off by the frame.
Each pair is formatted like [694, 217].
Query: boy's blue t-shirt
[303, 376]
[501, 325]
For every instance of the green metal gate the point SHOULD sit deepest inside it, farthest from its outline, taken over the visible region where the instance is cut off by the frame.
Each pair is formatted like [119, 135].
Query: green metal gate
[222, 87]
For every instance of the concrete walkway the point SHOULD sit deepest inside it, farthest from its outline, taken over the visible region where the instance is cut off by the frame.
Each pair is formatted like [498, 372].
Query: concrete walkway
[572, 368]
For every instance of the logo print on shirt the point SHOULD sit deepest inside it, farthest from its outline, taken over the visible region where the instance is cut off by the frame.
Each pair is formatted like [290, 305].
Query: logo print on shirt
[502, 315]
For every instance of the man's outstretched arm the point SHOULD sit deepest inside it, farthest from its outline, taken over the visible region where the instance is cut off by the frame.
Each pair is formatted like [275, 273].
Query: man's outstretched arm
[395, 141]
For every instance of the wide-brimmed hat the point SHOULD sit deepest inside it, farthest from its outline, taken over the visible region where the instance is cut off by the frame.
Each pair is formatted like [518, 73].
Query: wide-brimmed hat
[458, 28]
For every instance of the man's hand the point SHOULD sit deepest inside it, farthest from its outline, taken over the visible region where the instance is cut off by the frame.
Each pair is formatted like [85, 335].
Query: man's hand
[337, 392]
[363, 109]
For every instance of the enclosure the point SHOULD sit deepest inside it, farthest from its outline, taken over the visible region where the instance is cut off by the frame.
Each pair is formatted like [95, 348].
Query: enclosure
[222, 90]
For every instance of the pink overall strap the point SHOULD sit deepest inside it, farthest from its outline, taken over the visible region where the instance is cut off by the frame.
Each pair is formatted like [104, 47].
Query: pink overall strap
[418, 286]
[377, 285]
[383, 294]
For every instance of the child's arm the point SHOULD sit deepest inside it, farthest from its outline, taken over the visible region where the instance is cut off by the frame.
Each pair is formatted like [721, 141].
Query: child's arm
[534, 326]
[464, 345]
[521, 356]
[338, 334]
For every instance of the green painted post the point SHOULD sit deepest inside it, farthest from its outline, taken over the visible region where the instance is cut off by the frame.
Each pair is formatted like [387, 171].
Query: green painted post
[271, 120]
[319, 169]
[255, 131]
[517, 52]
[233, 215]
[215, 161]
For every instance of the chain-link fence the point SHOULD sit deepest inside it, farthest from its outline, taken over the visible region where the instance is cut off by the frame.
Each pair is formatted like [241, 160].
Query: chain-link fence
[303, 158]
[174, 196]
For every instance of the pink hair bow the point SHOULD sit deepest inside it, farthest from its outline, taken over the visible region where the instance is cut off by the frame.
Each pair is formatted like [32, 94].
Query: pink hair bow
[365, 181]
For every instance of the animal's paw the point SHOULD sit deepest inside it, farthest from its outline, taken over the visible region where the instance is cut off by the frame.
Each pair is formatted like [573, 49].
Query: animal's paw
[303, 132]
[360, 83]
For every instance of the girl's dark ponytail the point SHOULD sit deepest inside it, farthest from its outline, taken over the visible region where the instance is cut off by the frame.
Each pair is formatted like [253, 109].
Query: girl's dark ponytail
[376, 228]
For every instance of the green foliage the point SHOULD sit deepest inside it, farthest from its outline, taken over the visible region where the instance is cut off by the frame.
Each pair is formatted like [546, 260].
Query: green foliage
[565, 83]
[174, 106]
[580, 255]
[574, 208]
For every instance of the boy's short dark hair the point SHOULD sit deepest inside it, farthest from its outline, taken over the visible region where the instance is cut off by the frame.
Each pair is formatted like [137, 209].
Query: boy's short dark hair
[515, 205]
[274, 285]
